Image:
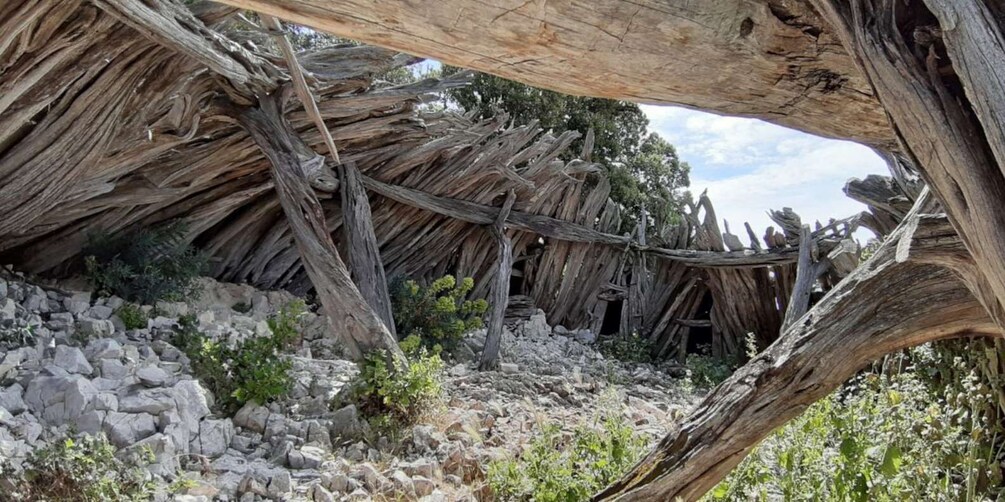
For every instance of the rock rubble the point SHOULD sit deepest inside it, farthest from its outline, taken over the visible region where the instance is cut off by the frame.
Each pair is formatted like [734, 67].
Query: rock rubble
[68, 365]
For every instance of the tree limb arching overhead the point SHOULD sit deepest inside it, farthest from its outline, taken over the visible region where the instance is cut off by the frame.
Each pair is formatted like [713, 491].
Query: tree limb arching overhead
[770, 59]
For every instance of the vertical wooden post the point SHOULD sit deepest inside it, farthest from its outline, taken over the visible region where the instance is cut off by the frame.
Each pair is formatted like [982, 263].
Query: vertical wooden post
[364, 254]
[807, 271]
[633, 309]
[500, 290]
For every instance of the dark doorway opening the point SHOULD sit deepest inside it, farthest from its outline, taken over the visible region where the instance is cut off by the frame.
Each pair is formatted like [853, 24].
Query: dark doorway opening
[612, 318]
[516, 278]
[699, 340]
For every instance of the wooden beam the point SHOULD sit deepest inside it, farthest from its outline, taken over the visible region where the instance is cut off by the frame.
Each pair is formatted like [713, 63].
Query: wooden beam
[300, 83]
[554, 228]
[777, 63]
[364, 253]
[807, 272]
[500, 290]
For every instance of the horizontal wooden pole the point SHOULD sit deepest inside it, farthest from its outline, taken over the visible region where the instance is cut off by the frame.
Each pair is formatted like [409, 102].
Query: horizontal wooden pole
[553, 228]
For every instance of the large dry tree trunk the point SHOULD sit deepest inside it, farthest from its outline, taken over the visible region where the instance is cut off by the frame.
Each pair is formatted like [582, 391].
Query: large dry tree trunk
[946, 103]
[364, 253]
[938, 67]
[893, 301]
[292, 165]
[770, 59]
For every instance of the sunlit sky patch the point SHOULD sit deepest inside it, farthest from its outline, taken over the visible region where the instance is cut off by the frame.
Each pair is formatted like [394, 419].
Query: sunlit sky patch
[750, 166]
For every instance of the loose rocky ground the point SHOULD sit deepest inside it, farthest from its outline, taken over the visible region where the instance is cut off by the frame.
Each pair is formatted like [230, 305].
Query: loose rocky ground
[68, 365]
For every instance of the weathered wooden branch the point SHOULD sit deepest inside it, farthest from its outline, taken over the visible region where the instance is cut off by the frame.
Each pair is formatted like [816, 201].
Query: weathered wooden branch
[364, 253]
[954, 138]
[746, 47]
[350, 317]
[300, 84]
[554, 228]
[500, 290]
[807, 271]
[172, 25]
[884, 306]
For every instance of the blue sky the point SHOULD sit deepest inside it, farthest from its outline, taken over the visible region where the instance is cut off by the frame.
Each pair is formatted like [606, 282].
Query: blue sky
[750, 166]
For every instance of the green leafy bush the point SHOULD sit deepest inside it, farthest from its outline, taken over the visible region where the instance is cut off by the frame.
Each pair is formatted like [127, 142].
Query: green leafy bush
[394, 395]
[76, 470]
[706, 371]
[145, 265]
[630, 349]
[437, 315]
[253, 370]
[287, 323]
[132, 316]
[557, 467]
[881, 437]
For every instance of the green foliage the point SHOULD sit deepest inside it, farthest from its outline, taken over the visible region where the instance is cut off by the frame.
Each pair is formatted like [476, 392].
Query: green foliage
[618, 126]
[438, 315]
[287, 323]
[77, 470]
[632, 348]
[132, 316]
[17, 336]
[393, 395]
[652, 179]
[558, 467]
[145, 265]
[879, 438]
[644, 169]
[706, 371]
[253, 370]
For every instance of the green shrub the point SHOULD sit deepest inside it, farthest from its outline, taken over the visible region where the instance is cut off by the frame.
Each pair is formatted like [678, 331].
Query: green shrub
[439, 314]
[253, 370]
[558, 468]
[706, 371]
[879, 438]
[287, 323]
[132, 316]
[77, 470]
[16, 337]
[396, 396]
[242, 307]
[145, 265]
[630, 349]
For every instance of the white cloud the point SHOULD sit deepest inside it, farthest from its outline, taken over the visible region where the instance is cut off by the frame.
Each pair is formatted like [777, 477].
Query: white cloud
[750, 166]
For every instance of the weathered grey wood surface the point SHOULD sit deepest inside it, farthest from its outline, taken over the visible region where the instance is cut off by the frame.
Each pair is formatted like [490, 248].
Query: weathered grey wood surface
[351, 318]
[819, 352]
[778, 61]
[364, 253]
[500, 289]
